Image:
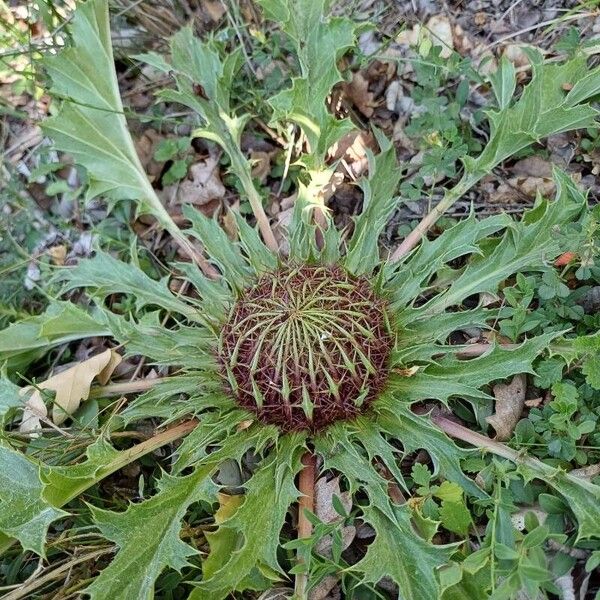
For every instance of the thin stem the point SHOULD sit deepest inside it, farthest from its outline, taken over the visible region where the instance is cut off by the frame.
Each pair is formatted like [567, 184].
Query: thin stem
[306, 486]
[125, 387]
[450, 197]
[475, 350]
[239, 165]
[25, 590]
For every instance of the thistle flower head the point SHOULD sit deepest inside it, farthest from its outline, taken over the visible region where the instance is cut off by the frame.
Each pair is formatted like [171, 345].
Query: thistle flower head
[306, 346]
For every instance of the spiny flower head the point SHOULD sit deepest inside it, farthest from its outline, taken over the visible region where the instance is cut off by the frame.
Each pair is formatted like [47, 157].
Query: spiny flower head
[306, 346]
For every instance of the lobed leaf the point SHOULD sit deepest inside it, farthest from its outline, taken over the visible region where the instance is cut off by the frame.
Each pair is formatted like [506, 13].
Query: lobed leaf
[107, 275]
[23, 342]
[379, 202]
[244, 547]
[397, 551]
[24, 513]
[319, 41]
[90, 125]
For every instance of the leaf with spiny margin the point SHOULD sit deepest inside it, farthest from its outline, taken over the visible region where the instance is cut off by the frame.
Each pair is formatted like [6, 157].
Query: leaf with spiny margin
[187, 347]
[319, 42]
[259, 256]
[90, 124]
[417, 340]
[203, 84]
[528, 245]
[216, 297]
[171, 398]
[62, 322]
[450, 376]
[543, 109]
[148, 533]
[400, 554]
[148, 537]
[64, 483]
[244, 547]
[370, 436]
[582, 496]
[58, 485]
[416, 432]
[503, 82]
[106, 275]
[411, 277]
[24, 514]
[397, 551]
[311, 218]
[222, 251]
[378, 205]
[213, 427]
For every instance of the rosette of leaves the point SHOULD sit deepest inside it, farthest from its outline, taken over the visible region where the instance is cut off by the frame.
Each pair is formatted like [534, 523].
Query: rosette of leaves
[312, 358]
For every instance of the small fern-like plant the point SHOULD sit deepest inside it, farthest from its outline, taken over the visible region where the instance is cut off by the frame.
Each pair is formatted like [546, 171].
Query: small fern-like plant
[310, 358]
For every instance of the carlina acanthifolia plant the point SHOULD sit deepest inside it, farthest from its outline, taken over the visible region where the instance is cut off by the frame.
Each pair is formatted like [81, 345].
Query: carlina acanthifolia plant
[310, 359]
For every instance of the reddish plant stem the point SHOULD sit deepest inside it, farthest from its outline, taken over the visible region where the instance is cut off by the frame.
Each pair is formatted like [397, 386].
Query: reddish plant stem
[450, 197]
[306, 486]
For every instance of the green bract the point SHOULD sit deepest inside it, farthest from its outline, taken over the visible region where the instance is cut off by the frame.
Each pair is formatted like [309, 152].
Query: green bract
[331, 326]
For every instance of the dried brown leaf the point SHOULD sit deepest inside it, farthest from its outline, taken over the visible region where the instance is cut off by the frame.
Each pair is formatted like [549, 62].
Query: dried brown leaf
[510, 400]
[71, 386]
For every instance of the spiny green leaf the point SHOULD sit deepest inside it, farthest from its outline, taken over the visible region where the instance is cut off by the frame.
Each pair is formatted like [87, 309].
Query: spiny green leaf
[222, 251]
[187, 347]
[24, 514]
[213, 428]
[319, 41]
[259, 256]
[397, 551]
[90, 124]
[417, 432]
[503, 82]
[450, 376]
[23, 342]
[245, 545]
[63, 483]
[203, 84]
[215, 293]
[148, 534]
[107, 275]
[171, 398]
[412, 277]
[526, 246]
[543, 109]
[378, 205]
[148, 537]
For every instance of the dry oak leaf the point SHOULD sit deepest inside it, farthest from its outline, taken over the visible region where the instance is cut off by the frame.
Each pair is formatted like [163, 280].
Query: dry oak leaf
[358, 93]
[203, 184]
[510, 399]
[71, 386]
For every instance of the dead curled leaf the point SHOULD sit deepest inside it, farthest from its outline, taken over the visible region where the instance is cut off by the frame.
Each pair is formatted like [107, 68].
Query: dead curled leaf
[510, 400]
[324, 493]
[203, 184]
[70, 386]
